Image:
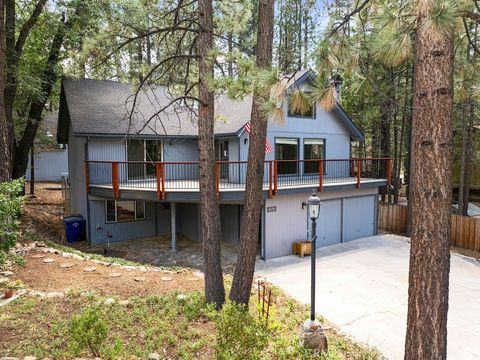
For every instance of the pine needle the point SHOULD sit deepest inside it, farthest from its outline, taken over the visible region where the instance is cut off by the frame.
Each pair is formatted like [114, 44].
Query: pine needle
[298, 102]
[329, 100]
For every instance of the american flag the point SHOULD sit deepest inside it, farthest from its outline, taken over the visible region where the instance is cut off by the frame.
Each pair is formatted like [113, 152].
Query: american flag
[268, 146]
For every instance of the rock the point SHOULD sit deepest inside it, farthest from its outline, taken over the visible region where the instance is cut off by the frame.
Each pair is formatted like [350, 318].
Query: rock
[90, 269]
[181, 297]
[124, 302]
[142, 268]
[109, 301]
[29, 358]
[4, 280]
[39, 244]
[66, 265]
[6, 273]
[36, 293]
[313, 337]
[38, 256]
[114, 275]
[48, 260]
[154, 356]
[129, 267]
[139, 278]
[167, 271]
[54, 294]
[166, 278]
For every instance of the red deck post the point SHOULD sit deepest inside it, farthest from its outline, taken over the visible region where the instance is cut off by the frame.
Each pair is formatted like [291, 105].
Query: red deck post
[275, 177]
[359, 168]
[158, 173]
[115, 180]
[270, 182]
[320, 175]
[162, 173]
[87, 177]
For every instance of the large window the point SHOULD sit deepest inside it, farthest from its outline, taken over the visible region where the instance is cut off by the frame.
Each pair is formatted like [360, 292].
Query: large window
[309, 111]
[143, 150]
[286, 149]
[117, 211]
[313, 149]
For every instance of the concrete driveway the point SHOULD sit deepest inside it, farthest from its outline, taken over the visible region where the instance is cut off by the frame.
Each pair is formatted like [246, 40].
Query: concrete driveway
[362, 287]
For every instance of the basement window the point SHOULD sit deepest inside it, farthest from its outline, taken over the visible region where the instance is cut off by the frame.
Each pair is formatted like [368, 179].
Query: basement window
[119, 211]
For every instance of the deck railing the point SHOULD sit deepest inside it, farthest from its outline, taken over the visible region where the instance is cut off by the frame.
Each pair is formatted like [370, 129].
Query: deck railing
[231, 175]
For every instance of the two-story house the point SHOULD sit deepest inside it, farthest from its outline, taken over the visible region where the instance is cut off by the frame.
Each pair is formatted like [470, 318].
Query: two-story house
[139, 178]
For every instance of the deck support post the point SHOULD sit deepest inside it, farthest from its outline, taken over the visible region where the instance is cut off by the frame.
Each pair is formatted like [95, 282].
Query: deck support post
[359, 168]
[115, 180]
[173, 214]
[87, 177]
[320, 174]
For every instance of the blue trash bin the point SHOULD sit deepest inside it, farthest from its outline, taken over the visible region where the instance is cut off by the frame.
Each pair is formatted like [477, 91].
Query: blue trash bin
[74, 228]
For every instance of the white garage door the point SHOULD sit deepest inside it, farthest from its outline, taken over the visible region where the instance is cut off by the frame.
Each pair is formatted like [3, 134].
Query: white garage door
[359, 217]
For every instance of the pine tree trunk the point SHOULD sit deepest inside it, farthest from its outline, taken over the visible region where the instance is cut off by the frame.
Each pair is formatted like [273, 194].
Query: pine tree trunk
[4, 138]
[209, 207]
[244, 269]
[430, 199]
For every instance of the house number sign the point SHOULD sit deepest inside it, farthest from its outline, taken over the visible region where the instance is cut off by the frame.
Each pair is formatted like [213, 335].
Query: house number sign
[271, 209]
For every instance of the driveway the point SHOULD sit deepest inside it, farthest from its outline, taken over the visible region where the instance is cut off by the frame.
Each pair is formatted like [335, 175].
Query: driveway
[362, 288]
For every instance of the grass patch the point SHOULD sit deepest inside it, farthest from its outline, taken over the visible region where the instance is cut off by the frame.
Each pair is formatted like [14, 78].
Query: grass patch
[179, 327]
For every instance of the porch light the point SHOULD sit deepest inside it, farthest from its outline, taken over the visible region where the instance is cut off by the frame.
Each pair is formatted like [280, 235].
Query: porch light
[314, 204]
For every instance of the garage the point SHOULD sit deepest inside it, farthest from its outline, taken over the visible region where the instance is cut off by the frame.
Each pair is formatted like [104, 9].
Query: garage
[329, 227]
[359, 217]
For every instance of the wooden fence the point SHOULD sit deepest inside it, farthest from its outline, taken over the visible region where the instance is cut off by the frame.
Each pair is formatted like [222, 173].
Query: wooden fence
[465, 232]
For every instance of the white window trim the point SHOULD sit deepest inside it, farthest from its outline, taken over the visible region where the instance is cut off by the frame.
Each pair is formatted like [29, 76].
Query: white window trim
[116, 216]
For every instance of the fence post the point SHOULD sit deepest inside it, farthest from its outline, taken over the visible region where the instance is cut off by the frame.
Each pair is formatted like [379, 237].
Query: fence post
[87, 177]
[158, 172]
[115, 180]
[358, 173]
[320, 175]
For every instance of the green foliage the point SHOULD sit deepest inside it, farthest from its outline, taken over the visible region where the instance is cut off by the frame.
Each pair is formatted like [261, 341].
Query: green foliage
[10, 205]
[240, 335]
[89, 330]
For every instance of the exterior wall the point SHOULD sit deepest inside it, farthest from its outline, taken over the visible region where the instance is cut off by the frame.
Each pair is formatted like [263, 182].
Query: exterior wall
[188, 221]
[121, 230]
[180, 150]
[49, 165]
[76, 175]
[345, 215]
[108, 149]
[164, 225]
[229, 218]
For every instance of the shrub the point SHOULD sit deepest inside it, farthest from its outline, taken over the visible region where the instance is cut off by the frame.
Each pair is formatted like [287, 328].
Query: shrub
[240, 335]
[88, 330]
[10, 205]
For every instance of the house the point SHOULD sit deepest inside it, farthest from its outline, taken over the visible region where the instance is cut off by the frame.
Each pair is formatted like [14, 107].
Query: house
[50, 159]
[137, 179]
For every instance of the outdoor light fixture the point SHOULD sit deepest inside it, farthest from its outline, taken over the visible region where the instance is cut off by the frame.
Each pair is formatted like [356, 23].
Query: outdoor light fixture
[312, 333]
[314, 204]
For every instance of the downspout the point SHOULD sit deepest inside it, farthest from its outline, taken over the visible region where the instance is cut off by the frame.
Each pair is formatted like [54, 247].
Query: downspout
[89, 234]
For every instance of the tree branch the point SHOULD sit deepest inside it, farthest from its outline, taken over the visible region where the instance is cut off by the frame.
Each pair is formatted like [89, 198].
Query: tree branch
[347, 17]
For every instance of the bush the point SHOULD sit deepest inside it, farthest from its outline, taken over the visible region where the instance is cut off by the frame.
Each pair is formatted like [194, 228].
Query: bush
[10, 205]
[88, 330]
[240, 335]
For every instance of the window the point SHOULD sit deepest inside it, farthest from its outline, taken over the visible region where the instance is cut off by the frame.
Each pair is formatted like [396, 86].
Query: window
[313, 149]
[117, 211]
[286, 149]
[308, 113]
[143, 150]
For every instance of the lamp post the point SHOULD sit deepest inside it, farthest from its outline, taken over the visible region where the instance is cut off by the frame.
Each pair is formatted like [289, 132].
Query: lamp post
[313, 204]
[311, 332]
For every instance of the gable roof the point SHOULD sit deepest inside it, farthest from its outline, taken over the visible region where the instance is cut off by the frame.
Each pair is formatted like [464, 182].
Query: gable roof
[102, 108]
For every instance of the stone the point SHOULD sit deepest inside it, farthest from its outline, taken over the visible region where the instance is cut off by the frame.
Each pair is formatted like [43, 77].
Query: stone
[124, 302]
[313, 337]
[129, 267]
[40, 244]
[154, 356]
[166, 278]
[181, 297]
[114, 275]
[54, 294]
[139, 278]
[48, 260]
[90, 269]
[142, 268]
[38, 256]
[109, 301]
[29, 358]
[6, 273]
[66, 265]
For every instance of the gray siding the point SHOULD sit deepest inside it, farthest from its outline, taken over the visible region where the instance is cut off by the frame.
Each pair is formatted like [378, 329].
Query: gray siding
[107, 149]
[188, 221]
[122, 230]
[49, 165]
[229, 217]
[164, 225]
[76, 175]
[180, 150]
[289, 223]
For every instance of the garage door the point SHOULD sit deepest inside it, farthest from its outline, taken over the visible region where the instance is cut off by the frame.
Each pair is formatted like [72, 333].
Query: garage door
[329, 227]
[359, 217]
